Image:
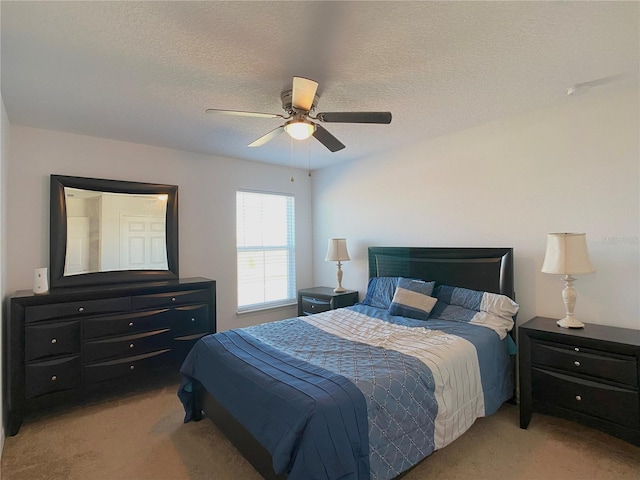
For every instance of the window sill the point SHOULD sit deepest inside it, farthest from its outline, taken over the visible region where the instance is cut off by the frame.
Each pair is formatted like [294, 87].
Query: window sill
[265, 309]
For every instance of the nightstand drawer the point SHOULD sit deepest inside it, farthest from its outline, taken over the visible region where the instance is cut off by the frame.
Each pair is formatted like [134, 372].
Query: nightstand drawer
[613, 404]
[312, 305]
[618, 368]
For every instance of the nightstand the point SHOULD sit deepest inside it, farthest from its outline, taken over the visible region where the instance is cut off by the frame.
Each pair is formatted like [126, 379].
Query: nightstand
[321, 299]
[589, 375]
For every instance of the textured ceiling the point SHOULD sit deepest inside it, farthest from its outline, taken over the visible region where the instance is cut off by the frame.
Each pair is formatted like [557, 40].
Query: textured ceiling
[145, 72]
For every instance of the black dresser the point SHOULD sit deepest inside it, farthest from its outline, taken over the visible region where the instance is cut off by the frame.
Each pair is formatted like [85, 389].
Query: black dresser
[590, 375]
[72, 342]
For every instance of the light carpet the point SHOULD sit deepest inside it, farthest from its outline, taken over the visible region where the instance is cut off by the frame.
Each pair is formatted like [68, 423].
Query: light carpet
[142, 436]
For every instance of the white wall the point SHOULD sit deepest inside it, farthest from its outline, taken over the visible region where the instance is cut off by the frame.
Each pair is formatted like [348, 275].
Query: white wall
[4, 142]
[207, 188]
[572, 168]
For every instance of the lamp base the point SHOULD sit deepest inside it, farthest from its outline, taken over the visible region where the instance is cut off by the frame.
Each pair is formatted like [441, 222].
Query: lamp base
[570, 322]
[339, 288]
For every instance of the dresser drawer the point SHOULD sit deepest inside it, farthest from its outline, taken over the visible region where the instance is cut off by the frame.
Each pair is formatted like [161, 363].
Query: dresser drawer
[183, 345]
[618, 368]
[52, 339]
[52, 376]
[169, 299]
[128, 345]
[57, 310]
[613, 404]
[112, 325]
[311, 305]
[190, 319]
[129, 367]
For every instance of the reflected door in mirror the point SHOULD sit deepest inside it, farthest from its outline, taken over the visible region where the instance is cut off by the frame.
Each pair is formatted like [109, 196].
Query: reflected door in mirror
[142, 243]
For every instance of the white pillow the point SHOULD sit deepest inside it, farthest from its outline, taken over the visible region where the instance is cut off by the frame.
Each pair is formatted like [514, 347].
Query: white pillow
[411, 299]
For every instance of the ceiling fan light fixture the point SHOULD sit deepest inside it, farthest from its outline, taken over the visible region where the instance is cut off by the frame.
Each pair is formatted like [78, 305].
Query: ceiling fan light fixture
[298, 103]
[300, 129]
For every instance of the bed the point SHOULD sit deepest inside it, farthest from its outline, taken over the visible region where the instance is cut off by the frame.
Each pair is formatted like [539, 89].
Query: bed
[366, 392]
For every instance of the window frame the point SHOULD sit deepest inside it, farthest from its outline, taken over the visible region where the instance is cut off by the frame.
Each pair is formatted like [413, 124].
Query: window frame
[289, 247]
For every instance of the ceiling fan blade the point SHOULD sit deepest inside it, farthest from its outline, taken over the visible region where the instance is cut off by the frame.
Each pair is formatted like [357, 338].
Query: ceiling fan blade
[243, 114]
[303, 93]
[355, 117]
[328, 140]
[268, 137]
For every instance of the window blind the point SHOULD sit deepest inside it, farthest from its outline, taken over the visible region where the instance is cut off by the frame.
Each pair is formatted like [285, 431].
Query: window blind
[265, 250]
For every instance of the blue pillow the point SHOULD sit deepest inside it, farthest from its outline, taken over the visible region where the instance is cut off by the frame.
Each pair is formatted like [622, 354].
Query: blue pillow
[462, 297]
[489, 310]
[492, 303]
[380, 291]
[412, 299]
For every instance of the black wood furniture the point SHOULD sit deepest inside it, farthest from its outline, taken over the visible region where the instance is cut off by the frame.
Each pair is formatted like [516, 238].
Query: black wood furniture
[589, 375]
[484, 269]
[321, 299]
[71, 342]
[125, 191]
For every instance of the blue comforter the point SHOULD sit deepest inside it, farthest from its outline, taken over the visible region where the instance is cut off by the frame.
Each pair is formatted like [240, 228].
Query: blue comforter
[352, 393]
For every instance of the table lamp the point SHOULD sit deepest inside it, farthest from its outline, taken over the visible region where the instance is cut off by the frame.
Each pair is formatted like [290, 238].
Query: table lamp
[337, 252]
[567, 255]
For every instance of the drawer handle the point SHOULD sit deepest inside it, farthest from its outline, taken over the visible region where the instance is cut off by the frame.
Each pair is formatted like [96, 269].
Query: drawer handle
[193, 320]
[578, 398]
[576, 349]
[54, 378]
[576, 363]
[131, 345]
[54, 341]
[132, 367]
[81, 309]
[131, 324]
[173, 299]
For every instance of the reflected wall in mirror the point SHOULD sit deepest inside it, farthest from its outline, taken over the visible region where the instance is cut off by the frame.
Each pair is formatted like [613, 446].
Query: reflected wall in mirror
[109, 231]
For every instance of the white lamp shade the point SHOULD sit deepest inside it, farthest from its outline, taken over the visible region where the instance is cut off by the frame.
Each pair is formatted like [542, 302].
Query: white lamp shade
[337, 250]
[567, 254]
[300, 129]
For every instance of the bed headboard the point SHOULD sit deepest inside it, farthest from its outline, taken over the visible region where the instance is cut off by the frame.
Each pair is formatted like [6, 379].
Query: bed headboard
[485, 269]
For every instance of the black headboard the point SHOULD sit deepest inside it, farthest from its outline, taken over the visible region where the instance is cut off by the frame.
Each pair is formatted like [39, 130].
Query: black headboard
[485, 269]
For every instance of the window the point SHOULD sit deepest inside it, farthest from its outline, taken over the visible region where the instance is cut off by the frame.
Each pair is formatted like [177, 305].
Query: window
[265, 237]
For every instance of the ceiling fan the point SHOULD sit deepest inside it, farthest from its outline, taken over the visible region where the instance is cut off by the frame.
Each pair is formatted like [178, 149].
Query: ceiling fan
[298, 103]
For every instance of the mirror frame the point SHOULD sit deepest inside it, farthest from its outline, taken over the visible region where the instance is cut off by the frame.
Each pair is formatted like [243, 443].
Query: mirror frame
[58, 232]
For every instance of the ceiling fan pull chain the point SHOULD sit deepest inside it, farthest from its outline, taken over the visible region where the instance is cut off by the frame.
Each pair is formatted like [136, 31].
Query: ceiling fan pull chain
[309, 157]
[291, 156]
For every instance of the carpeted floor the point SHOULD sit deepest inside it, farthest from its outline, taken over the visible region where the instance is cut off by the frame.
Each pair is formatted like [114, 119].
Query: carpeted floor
[141, 436]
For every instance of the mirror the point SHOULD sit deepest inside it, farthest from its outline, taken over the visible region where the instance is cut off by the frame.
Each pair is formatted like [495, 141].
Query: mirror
[109, 231]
